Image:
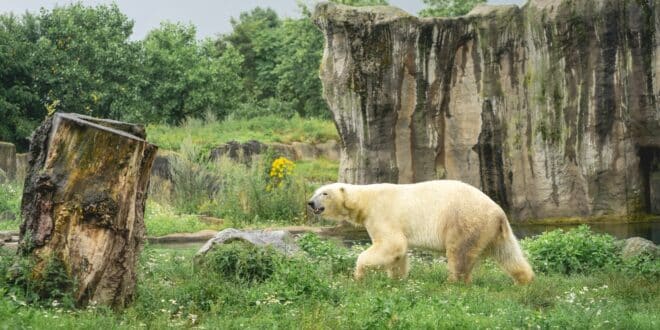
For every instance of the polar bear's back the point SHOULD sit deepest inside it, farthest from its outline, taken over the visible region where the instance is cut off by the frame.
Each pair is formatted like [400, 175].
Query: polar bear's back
[438, 194]
[429, 211]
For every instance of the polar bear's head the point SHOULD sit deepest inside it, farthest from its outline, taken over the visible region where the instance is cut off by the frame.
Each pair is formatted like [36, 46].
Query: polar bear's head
[332, 201]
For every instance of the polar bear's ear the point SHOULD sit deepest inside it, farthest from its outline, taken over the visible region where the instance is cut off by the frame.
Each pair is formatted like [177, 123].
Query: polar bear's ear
[349, 203]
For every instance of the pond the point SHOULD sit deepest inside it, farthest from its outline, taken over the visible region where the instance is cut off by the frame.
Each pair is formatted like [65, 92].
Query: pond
[648, 230]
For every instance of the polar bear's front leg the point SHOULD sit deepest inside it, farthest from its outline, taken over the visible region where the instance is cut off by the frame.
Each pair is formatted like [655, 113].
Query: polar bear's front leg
[380, 255]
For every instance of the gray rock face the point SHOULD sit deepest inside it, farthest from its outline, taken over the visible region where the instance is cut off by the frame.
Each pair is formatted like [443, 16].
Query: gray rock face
[278, 239]
[22, 164]
[635, 246]
[551, 109]
[8, 159]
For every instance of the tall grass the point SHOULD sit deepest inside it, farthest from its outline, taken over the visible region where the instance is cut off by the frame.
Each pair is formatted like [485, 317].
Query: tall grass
[239, 193]
[10, 203]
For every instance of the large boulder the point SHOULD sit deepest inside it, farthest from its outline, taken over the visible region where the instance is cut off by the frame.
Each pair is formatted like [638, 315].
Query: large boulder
[551, 109]
[278, 239]
[636, 246]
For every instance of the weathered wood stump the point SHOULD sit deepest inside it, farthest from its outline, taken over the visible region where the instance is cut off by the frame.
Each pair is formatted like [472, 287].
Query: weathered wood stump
[83, 203]
[8, 160]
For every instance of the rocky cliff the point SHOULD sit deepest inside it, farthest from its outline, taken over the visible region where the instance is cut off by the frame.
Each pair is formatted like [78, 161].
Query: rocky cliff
[551, 109]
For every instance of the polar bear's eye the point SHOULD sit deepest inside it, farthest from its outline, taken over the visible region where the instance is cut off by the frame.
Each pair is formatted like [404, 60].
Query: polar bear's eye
[325, 194]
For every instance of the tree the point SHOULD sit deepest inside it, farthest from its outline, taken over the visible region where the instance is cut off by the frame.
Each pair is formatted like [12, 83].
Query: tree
[21, 108]
[186, 78]
[253, 37]
[448, 8]
[297, 69]
[85, 62]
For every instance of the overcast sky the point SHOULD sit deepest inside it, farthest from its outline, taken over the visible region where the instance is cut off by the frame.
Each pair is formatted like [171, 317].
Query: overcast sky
[210, 17]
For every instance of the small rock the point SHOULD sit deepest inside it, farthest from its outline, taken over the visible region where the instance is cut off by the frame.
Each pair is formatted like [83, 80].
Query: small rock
[279, 239]
[635, 246]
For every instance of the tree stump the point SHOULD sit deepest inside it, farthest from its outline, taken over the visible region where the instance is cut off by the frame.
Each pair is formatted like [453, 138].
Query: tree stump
[83, 204]
[8, 160]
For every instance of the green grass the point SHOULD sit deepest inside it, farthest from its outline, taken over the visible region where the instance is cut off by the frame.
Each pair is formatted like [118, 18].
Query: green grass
[309, 294]
[163, 220]
[318, 171]
[210, 133]
[10, 201]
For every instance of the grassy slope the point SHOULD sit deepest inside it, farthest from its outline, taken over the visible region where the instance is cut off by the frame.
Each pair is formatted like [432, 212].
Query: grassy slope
[172, 294]
[210, 133]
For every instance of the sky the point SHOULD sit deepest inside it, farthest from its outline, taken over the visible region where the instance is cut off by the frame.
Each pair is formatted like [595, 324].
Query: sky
[210, 17]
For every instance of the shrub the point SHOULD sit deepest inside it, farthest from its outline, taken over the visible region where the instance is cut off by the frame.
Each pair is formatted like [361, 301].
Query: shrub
[195, 179]
[243, 261]
[575, 251]
[341, 261]
[646, 265]
[51, 286]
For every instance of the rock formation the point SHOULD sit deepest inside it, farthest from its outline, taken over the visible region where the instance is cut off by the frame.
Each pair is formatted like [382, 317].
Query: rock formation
[551, 109]
[8, 160]
[83, 204]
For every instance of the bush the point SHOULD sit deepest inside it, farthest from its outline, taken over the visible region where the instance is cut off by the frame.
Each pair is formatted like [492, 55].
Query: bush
[195, 179]
[51, 286]
[646, 265]
[341, 261]
[575, 251]
[243, 262]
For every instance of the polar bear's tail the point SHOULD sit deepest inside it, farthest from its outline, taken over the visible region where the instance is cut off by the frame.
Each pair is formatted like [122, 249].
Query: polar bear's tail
[506, 251]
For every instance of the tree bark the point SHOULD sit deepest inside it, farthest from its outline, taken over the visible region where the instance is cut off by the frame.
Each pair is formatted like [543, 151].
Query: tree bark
[83, 203]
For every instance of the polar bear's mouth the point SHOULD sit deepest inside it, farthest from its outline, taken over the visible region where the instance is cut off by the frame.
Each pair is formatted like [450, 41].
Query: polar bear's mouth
[318, 210]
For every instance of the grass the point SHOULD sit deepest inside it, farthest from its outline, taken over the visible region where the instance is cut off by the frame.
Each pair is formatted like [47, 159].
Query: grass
[162, 220]
[210, 133]
[309, 293]
[10, 201]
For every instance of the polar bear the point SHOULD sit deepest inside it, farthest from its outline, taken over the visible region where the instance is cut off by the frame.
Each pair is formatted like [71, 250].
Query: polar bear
[444, 215]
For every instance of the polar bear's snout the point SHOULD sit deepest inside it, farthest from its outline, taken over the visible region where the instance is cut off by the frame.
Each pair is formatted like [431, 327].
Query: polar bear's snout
[316, 208]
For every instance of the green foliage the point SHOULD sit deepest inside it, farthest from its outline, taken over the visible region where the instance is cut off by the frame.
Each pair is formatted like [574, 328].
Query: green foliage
[304, 293]
[77, 58]
[448, 8]
[241, 261]
[46, 285]
[646, 265]
[195, 178]
[10, 201]
[341, 262]
[162, 220]
[575, 251]
[184, 77]
[245, 196]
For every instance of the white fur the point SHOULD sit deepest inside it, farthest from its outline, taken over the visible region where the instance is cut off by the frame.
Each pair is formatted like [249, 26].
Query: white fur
[441, 215]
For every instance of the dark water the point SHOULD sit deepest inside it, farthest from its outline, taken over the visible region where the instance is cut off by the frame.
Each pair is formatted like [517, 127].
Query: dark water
[648, 230]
